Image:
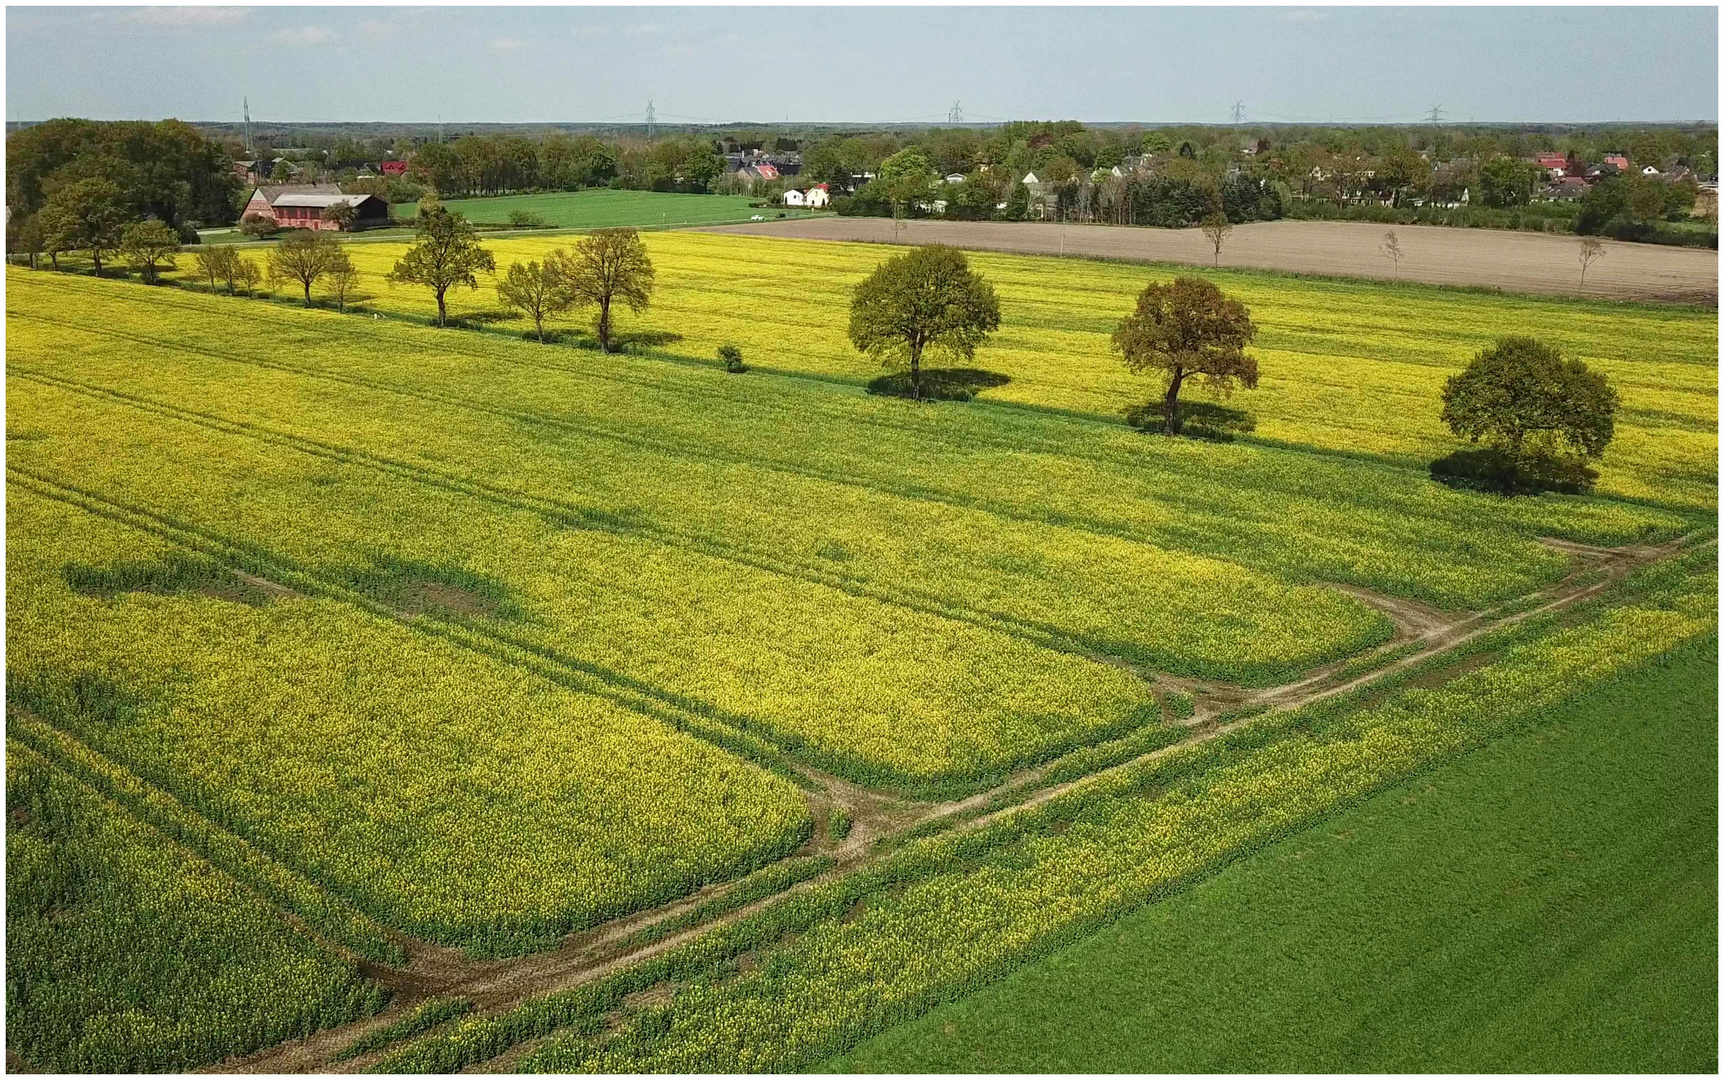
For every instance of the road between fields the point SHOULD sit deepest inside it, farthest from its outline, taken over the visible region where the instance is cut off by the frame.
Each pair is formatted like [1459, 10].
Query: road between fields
[1434, 254]
[495, 986]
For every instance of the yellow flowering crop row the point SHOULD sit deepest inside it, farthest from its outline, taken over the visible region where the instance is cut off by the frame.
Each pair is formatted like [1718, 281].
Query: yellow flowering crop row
[445, 794]
[1193, 615]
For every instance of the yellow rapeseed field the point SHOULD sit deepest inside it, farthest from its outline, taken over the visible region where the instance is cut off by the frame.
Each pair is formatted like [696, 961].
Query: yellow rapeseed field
[1353, 367]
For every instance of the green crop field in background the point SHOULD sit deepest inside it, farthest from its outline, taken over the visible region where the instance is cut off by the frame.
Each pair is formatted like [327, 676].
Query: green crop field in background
[602, 208]
[1548, 903]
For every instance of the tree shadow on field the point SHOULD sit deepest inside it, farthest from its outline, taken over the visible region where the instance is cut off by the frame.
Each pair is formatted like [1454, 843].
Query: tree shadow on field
[1493, 472]
[477, 320]
[1199, 419]
[173, 575]
[621, 342]
[940, 384]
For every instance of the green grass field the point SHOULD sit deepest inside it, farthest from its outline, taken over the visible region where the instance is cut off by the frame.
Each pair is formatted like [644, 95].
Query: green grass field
[602, 208]
[1546, 904]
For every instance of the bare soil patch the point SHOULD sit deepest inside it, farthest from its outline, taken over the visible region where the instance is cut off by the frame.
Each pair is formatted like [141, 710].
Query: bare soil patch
[1436, 255]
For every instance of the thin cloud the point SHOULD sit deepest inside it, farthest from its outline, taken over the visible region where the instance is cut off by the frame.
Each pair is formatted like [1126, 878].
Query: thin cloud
[303, 35]
[1304, 15]
[509, 44]
[187, 16]
[588, 31]
[643, 29]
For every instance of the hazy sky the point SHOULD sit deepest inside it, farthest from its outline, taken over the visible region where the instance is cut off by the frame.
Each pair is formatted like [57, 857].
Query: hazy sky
[862, 64]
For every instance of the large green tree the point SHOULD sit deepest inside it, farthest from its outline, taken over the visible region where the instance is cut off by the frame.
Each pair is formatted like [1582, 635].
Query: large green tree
[1506, 182]
[1186, 329]
[445, 253]
[926, 300]
[87, 214]
[607, 266]
[164, 170]
[1523, 398]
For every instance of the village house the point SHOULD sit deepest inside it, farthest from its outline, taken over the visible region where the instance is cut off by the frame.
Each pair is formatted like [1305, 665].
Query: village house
[792, 197]
[394, 168]
[302, 206]
[818, 195]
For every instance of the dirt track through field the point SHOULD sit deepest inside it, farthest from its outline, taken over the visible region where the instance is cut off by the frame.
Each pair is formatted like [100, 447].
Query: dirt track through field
[1436, 255]
[497, 985]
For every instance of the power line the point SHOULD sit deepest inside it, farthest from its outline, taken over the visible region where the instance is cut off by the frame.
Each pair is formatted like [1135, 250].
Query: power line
[1238, 113]
[651, 119]
[1435, 116]
[956, 116]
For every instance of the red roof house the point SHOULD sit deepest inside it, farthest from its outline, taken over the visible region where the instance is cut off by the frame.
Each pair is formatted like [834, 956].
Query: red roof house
[394, 168]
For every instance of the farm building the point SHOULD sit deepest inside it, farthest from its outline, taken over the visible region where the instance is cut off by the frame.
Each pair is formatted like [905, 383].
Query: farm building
[818, 195]
[793, 197]
[302, 208]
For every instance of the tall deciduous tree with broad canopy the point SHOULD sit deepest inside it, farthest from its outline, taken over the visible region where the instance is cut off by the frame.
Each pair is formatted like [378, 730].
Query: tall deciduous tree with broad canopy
[1188, 329]
[89, 214]
[304, 256]
[607, 266]
[445, 253]
[926, 299]
[1524, 399]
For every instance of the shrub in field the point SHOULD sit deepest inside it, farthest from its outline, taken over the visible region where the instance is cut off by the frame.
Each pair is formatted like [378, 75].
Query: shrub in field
[732, 358]
[258, 225]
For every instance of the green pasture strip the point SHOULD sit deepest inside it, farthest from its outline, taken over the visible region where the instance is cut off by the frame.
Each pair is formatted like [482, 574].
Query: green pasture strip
[525, 882]
[1547, 903]
[423, 1018]
[330, 916]
[126, 952]
[1310, 519]
[606, 209]
[950, 913]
